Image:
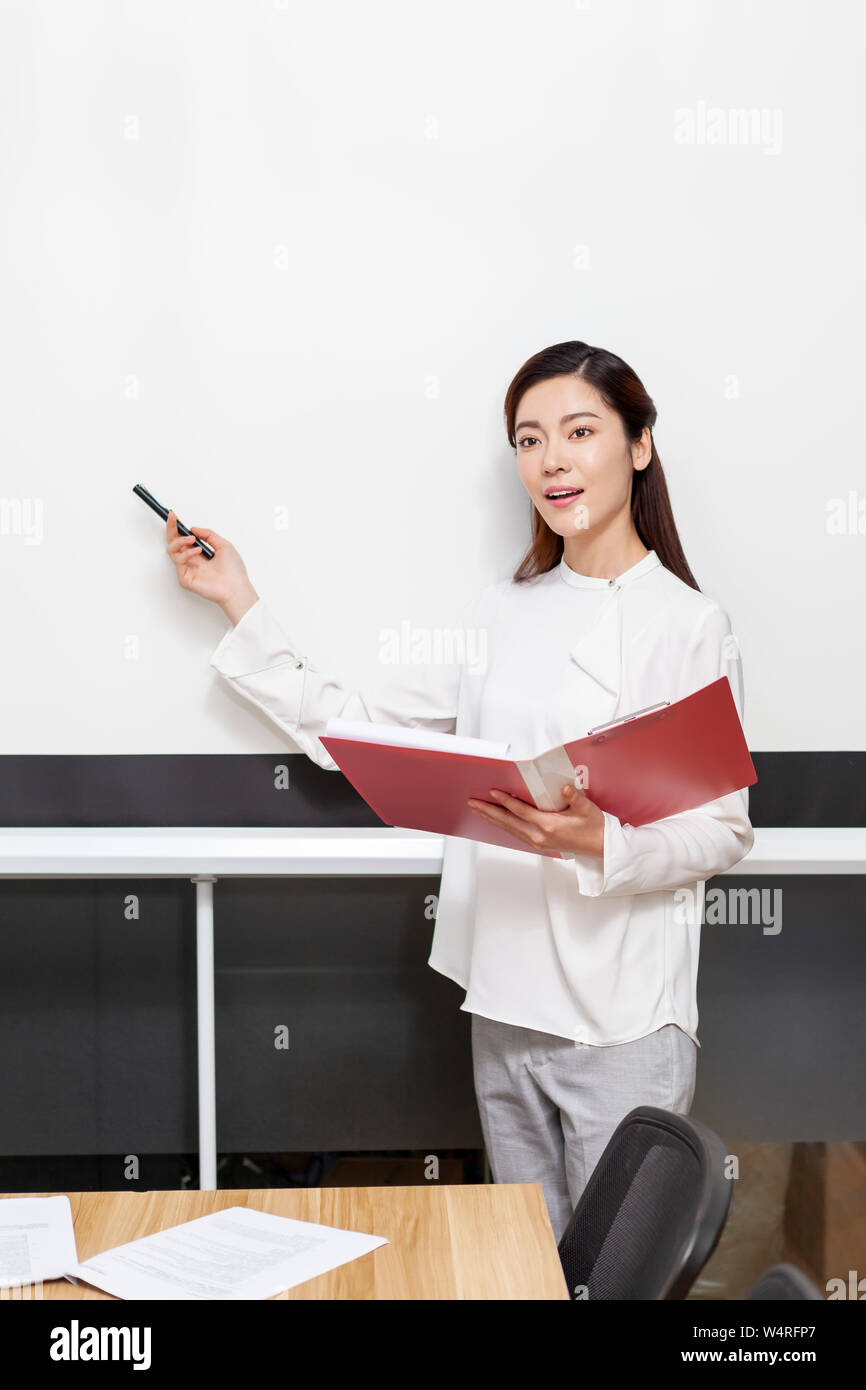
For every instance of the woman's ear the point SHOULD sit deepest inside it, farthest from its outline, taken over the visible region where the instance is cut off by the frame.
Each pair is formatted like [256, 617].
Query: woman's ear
[642, 451]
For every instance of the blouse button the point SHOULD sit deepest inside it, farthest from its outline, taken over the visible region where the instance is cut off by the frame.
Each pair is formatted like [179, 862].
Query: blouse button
[299, 664]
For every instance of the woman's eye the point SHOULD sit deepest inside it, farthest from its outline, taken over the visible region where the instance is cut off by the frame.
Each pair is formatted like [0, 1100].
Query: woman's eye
[530, 438]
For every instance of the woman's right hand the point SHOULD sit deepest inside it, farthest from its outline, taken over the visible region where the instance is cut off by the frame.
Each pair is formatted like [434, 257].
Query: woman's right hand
[223, 580]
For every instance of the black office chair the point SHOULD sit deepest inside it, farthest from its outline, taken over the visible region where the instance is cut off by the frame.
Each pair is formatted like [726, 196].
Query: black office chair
[652, 1211]
[785, 1282]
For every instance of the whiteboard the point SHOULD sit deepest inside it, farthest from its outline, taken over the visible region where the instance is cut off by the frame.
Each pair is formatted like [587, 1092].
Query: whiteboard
[278, 262]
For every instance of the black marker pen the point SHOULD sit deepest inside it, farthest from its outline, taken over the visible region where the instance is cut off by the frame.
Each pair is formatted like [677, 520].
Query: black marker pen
[142, 492]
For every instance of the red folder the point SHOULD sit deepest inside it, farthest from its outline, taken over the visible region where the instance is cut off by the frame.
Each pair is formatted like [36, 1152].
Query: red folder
[641, 769]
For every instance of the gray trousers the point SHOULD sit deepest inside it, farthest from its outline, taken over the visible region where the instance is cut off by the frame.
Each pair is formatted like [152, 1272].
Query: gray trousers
[548, 1106]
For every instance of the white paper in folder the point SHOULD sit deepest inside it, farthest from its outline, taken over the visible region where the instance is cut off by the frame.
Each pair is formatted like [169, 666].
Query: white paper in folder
[412, 736]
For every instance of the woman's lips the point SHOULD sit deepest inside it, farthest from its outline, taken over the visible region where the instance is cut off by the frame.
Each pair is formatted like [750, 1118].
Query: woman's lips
[565, 501]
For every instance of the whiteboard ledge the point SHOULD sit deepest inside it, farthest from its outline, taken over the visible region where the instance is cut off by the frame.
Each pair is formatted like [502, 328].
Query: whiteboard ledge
[287, 851]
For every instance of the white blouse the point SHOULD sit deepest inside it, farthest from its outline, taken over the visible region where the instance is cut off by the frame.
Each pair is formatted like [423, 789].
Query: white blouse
[601, 951]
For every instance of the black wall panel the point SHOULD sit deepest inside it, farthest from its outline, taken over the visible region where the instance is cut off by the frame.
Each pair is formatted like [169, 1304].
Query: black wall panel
[97, 1025]
[781, 1016]
[794, 789]
[97, 1019]
[379, 1050]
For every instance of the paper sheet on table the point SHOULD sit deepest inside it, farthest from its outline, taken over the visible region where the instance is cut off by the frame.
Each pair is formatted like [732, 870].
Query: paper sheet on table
[37, 1240]
[235, 1253]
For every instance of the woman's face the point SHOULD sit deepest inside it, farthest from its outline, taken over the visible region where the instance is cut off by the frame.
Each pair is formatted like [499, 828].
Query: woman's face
[568, 439]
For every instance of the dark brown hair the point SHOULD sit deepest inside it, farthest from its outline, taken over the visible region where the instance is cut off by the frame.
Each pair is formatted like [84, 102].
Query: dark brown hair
[622, 391]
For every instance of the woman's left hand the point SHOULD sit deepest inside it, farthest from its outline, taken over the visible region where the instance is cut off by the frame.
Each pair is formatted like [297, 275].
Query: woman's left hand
[578, 829]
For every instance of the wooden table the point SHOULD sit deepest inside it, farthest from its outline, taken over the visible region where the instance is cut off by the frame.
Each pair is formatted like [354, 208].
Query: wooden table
[485, 1241]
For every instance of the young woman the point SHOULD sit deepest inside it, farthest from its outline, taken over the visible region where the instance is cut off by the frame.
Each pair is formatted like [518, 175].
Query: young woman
[580, 970]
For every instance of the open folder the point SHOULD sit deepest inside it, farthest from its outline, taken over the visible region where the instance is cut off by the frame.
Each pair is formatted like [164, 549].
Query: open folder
[641, 768]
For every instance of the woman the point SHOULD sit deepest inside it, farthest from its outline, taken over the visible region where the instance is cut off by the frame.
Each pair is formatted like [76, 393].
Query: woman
[580, 970]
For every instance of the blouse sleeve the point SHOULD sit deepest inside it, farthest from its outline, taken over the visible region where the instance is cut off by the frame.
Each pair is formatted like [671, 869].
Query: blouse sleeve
[270, 669]
[692, 845]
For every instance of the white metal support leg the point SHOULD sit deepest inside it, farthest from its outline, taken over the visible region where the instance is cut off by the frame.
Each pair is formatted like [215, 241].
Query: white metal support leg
[207, 1136]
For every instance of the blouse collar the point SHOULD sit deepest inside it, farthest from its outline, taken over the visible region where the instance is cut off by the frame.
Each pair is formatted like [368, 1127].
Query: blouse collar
[590, 581]
[599, 651]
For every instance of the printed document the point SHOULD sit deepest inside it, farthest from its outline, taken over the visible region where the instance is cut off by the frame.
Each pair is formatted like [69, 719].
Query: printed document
[37, 1240]
[232, 1254]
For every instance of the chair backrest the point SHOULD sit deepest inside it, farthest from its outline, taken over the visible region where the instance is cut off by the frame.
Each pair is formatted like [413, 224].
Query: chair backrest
[652, 1211]
[785, 1281]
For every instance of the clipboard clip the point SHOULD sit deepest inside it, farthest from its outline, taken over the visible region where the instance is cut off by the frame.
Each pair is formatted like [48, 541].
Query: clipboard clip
[627, 717]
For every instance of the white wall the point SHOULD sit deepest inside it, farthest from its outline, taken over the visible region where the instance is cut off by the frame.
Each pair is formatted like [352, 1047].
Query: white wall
[258, 254]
